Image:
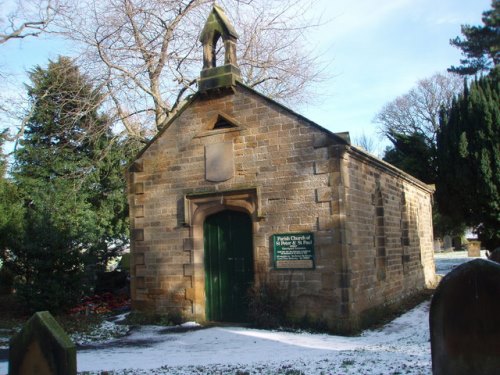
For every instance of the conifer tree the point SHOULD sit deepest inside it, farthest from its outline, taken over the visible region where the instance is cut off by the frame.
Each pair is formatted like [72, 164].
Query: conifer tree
[11, 214]
[412, 154]
[468, 186]
[480, 44]
[68, 168]
[7, 201]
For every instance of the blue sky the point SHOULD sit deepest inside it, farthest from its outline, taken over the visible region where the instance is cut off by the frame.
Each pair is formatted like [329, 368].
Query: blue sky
[380, 49]
[376, 50]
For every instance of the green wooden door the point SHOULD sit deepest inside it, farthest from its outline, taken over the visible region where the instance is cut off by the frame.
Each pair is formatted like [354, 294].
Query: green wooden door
[228, 265]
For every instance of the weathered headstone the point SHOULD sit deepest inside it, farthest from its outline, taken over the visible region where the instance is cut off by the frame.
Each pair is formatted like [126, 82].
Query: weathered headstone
[474, 248]
[447, 243]
[465, 320]
[437, 246]
[42, 348]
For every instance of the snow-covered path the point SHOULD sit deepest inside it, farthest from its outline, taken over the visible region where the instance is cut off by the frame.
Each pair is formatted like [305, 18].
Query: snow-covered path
[400, 347]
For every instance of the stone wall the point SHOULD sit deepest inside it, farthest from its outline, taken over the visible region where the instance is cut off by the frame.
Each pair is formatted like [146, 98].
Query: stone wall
[289, 175]
[389, 240]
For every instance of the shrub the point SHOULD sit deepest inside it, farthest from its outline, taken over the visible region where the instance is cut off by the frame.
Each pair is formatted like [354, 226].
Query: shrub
[268, 303]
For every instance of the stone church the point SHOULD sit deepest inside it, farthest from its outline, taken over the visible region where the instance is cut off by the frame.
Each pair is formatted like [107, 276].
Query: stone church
[240, 191]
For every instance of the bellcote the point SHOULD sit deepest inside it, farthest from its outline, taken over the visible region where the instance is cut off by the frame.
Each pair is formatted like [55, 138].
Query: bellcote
[213, 76]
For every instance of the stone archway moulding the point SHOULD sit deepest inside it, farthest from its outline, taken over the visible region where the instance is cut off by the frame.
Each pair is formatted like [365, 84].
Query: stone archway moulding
[196, 208]
[197, 204]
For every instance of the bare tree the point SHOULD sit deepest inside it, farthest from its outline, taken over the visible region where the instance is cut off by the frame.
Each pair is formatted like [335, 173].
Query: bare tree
[146, 56]
[417, 112]
[21, 19]
[365, 142]
[28, 18]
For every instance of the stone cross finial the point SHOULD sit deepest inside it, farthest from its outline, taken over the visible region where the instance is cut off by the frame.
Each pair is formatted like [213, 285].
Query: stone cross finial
[218, 27]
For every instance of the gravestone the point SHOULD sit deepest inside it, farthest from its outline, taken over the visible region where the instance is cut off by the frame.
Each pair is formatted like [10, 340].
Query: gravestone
[474, 248]
[437, 246]
[465, 320]
[447, 243]
[42, 348]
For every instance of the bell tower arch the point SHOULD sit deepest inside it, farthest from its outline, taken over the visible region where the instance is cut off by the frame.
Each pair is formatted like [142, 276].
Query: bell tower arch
[218, 27]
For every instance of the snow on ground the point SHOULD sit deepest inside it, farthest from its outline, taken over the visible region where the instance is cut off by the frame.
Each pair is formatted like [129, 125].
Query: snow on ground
[400, 347]
[445, 262]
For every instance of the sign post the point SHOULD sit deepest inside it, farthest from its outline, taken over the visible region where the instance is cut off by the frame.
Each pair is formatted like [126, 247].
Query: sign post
[293, 251]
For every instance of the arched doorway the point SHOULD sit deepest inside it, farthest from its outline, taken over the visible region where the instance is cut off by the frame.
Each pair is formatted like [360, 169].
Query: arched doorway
[228, 265]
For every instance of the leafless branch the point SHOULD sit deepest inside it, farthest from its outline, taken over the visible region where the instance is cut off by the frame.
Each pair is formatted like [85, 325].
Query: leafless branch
[418, 110]
[146, 55]
[29, 18]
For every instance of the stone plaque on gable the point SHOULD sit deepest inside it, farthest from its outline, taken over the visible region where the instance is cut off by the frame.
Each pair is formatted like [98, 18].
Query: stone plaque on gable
[219, 162]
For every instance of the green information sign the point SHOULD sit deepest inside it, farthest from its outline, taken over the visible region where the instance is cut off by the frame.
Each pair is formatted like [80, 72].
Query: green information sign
[293, 250]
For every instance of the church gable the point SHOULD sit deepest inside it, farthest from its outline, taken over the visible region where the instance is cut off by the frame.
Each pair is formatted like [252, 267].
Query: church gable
[240, 136]
[246, 125]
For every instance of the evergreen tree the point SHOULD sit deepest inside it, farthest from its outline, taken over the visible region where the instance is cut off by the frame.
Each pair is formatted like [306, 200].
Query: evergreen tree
[11, 223]
[468, 188]
[481, 44]
[10, 208]
[68, 168]
[412, 154]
